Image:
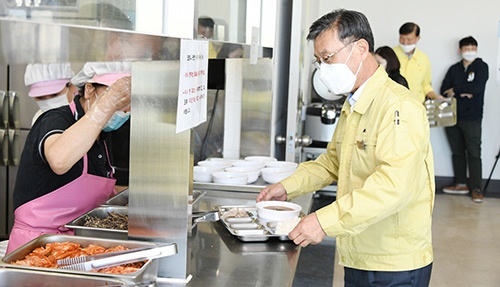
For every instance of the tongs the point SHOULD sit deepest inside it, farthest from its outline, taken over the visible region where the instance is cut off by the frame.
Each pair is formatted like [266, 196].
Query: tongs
[105, 260]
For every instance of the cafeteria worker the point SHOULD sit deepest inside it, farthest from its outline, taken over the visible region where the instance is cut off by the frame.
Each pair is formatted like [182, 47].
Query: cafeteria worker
[65, 168]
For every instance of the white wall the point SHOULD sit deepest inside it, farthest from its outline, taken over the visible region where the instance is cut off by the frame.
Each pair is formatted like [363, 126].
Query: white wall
[443, 23]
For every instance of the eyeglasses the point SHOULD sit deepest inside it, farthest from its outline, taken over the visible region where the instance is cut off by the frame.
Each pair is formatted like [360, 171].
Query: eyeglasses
[326, 58]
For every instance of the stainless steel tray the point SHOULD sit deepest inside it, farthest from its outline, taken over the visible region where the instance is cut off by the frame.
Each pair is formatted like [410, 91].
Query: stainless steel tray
[121, 199]
[250, 188]
[147, 273]
[10, 277]
[441, 113]
[261, 232]
[235, 245]
[101, 212]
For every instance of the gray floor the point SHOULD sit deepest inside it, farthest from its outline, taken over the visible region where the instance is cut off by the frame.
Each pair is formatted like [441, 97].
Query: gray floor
[466, 239]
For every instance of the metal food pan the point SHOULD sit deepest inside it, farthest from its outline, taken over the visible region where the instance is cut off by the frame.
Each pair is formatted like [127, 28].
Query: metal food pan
[27, 278]
[147, 273]
[101, 212]
[121, 199]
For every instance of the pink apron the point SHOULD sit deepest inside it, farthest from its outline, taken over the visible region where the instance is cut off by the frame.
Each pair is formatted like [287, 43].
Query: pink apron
[49, 213]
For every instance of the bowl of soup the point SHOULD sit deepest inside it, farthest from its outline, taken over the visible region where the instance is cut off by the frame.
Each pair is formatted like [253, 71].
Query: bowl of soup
[277, 210]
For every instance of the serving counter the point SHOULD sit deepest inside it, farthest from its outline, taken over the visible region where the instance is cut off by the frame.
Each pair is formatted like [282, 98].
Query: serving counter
[216, 257]
[220, 259]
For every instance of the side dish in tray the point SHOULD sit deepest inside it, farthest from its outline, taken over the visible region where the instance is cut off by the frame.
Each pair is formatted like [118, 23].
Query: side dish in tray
[47, 256]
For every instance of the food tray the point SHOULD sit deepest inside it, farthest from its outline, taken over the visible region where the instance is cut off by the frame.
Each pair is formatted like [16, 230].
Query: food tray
[121, 199]
[10, 277]
[101, 212]
[441, 113]
[249, 229]
[147, 273]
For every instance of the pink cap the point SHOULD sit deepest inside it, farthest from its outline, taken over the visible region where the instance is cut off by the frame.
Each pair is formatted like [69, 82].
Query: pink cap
[108, 79]
[47, 88]
[104, 73]
[47, 79]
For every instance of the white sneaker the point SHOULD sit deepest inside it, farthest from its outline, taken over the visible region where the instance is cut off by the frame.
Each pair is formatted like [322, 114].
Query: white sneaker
[458, 188]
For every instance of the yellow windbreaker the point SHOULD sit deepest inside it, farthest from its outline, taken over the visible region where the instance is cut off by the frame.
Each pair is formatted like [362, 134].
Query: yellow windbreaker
[381, 158]
[417, 71]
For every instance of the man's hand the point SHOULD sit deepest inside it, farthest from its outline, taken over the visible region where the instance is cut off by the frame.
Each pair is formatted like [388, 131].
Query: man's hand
[449, 93]
[272, 192]
[308, 231]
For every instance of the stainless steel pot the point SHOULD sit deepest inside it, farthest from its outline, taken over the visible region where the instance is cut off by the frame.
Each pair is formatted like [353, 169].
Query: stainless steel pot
[321, 120]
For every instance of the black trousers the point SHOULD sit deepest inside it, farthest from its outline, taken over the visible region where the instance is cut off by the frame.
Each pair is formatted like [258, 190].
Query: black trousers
[411, 278]
[465, 143]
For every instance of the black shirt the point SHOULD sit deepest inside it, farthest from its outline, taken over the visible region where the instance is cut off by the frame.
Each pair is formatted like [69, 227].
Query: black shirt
[467, 81]
[35, 178]
[120, 147]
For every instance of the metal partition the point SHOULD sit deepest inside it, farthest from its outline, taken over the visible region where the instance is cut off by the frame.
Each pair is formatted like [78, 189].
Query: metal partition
[160, 163]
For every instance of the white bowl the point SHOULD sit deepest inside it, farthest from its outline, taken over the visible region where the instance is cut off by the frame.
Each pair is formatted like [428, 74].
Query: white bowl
[204, 173]
[216, 163]
[252, 164]
[228, 160]
[277, 210]
[252, 172]
[229, 177]
[262, 159]
[283, 164]
[276, 174]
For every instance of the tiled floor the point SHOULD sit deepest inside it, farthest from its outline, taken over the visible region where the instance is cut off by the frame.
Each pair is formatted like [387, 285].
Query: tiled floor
[466, 238]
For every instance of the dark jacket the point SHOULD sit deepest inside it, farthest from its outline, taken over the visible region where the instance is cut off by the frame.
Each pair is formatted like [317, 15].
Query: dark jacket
[467, 81]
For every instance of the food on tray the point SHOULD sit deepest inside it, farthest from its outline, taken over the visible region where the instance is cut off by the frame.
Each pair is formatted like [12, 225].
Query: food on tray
[236, 212]
[47, 256]
[278, 208]
[284, 227]
[112, 221]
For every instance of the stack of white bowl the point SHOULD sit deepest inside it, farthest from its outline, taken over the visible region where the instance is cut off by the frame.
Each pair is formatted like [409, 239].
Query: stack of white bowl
[275, 172]
[242, 171]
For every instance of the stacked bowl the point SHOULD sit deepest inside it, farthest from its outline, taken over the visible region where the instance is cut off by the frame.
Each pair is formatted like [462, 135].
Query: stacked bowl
[243, 171]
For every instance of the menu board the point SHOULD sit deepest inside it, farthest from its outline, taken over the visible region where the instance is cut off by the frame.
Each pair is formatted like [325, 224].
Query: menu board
[192, 104]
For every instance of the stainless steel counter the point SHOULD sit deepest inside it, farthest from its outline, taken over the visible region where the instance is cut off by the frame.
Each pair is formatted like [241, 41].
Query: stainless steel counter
[220, 259]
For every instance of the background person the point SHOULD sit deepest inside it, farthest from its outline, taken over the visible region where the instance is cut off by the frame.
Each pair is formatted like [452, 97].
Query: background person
[206, 27]
[49, 85]
[229, 50]
[415, 65]
[386, 57]
[466, 81]
[65, 169]
[381, 158]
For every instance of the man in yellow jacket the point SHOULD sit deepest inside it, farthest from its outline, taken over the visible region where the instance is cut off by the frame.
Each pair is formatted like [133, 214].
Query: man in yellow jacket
[381, 158]
[415, 65]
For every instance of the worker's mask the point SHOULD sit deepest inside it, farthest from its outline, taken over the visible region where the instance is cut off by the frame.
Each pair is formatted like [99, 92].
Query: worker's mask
[469, 55]
[53, 103]
[338, 77]
[116, 121]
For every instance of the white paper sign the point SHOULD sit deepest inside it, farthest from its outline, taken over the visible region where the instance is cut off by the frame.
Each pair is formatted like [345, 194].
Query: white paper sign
[192, 104]
[254, 48]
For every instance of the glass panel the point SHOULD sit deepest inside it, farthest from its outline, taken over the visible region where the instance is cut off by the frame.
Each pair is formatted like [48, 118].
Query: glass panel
[233, 20]
[112, 14]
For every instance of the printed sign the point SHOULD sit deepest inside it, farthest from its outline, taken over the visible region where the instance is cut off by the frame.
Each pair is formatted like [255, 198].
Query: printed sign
[192, 104]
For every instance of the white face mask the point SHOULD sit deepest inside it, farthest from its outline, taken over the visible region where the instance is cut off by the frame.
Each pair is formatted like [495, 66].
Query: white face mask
[469, 55]
[338, 77]
[53, 103]
[408, 48]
